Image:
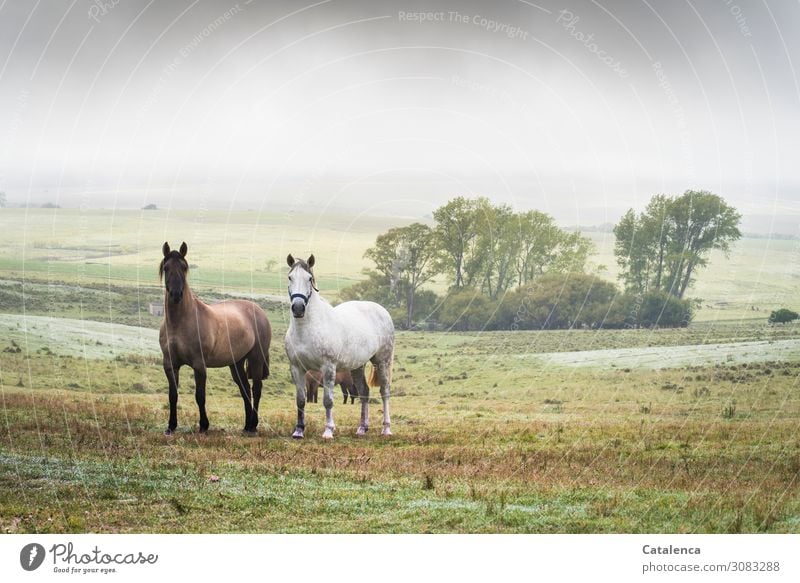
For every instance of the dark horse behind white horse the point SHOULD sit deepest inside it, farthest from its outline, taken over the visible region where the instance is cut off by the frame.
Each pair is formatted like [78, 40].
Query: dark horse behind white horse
[343, 378]
[234, 333]
[324, 338]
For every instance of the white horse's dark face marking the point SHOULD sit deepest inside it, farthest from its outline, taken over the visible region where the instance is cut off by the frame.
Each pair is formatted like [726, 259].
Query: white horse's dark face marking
[301, 286]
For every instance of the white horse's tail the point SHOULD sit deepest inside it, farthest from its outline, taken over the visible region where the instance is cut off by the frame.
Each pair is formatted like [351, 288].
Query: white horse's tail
[373, 380]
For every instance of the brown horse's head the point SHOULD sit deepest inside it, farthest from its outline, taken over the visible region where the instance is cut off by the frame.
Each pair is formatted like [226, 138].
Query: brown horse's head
[172, 270]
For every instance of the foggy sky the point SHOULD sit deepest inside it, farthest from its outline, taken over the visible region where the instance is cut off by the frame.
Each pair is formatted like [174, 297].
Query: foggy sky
[580, 109]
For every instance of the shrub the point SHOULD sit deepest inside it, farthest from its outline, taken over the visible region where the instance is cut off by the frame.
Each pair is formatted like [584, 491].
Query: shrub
[782, 316]
[665, 310]
[558, 301]
[466, 309]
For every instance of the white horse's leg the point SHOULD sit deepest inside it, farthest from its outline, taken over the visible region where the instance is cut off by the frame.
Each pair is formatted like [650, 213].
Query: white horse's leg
[328, 380]
[363, 392]
[384, 368]
[298, 376]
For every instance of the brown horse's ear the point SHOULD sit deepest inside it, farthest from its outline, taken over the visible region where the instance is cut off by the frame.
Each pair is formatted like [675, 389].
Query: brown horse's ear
[184, 249]
[310, 261]
[165, 249]
[290, 260]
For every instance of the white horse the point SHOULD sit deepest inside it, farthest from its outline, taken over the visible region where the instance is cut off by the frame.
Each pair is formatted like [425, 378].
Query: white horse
[324, 338]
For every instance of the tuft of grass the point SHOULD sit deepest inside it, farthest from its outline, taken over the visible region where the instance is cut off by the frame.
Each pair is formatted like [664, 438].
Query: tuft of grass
[729, 410]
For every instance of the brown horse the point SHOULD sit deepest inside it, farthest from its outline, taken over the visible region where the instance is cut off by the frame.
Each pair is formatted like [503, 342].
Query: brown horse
[343, 378]
[233, 333]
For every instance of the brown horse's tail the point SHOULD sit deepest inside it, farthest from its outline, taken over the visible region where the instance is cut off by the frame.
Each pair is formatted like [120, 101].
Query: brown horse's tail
[264, 368]
[261, 349]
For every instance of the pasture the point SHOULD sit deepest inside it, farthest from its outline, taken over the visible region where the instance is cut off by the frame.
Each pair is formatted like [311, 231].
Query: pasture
[557, 431]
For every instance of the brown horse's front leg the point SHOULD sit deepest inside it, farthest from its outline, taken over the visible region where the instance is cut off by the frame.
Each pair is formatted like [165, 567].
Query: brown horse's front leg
[172, 379]
[200, 396]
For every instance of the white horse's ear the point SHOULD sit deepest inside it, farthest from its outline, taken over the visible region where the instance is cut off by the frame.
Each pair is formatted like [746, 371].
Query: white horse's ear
[290, 260]
[165, 249]
[310, 261]
[184, 249]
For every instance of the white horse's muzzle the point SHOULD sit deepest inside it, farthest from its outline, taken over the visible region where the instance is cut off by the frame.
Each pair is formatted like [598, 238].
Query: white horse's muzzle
[299, 302]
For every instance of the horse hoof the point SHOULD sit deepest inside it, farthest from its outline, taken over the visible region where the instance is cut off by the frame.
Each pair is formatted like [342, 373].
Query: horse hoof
[298, 434]
[386, 431]
[169, 432]
[361, 431]
[328, 433]
[248, 432]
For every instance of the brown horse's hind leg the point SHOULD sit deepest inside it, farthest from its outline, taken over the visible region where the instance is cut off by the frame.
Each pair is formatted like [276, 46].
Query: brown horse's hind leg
[257, 374]
[349, 390]
[240, 378]
[200, 396]
[312, 390]
[363, 391]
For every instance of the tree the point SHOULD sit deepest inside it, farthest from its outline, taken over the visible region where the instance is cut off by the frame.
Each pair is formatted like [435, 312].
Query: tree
[496, 248]
[538, 241]
[492, 248]
[406, 258]
[658, 229]
[702, 222]
[372, 289]
[632, 252]
[662, 248]
[642, 243]
[456, 233]
[150, 207]
[783, 316]
[571, 254]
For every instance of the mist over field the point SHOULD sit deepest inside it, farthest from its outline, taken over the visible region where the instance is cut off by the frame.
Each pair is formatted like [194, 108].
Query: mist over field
[392, 108]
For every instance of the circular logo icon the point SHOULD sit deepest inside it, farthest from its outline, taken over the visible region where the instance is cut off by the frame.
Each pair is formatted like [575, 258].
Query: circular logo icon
[31, 556]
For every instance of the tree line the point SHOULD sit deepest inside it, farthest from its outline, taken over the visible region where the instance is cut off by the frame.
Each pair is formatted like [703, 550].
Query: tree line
[519, 270]
[476, 245]
[663, 247]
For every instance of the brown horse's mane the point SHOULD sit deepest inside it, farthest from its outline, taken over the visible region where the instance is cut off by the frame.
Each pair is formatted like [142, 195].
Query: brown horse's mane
[172, 255]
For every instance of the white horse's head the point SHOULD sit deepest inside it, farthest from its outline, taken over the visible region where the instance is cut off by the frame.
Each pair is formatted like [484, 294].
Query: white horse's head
[301, 284]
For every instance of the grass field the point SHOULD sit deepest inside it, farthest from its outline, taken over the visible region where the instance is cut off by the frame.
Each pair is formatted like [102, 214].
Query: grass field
[244, 252]
[241, 251]
[489, 438]
[688, 430]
